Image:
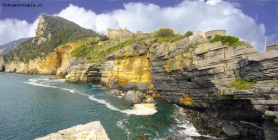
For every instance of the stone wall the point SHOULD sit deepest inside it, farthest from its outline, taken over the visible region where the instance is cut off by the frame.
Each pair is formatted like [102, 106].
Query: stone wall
[120, 33]
[272, 47]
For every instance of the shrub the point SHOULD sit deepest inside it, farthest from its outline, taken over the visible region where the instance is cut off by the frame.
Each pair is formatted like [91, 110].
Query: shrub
[241, 84]
[243, 43]
[164, 32]
[188, 33]
[103, 38]
[229, 40]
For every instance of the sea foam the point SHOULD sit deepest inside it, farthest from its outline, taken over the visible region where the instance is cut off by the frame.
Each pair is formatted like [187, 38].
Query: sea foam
[138, 109]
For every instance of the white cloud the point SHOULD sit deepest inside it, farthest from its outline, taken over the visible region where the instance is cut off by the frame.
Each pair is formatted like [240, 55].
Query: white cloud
[12, 29]
[213, 2]
[188, 15]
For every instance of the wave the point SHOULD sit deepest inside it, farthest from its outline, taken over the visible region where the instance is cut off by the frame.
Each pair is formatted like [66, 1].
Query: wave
[138, 109]
[190, 130]
[121, 124]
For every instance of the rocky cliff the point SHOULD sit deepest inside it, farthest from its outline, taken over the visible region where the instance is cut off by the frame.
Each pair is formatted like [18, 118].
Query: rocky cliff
[2, 64]
[198, 79]
[53, 63]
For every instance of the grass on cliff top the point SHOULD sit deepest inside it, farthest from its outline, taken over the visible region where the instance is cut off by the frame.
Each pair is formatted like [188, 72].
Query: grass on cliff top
[86, 46]
[169, 35]
[241, 84]
[100, 56]
[231, 40]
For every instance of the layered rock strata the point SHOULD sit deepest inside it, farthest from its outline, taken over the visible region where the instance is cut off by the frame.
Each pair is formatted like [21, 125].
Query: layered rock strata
[198, 78]
[83, 73]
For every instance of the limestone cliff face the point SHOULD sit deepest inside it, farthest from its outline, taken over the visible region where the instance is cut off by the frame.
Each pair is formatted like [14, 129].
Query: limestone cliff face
[83, 73]
[54, 62]
[128, 68]
[199, 77]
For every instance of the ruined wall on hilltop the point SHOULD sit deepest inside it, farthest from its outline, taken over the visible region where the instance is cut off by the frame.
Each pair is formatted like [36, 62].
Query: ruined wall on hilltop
[211, 34]
[119, 33]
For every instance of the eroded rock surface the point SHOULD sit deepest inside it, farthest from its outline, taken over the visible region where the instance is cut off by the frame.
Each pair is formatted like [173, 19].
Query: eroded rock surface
[89, 131]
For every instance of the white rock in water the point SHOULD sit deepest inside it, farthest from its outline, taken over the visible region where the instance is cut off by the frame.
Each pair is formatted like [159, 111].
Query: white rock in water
[89, 131]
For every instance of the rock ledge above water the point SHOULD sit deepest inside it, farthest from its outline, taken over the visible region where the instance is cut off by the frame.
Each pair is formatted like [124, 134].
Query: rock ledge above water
[89, 131]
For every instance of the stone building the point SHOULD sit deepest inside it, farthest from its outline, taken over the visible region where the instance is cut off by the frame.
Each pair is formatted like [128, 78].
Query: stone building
[272, 47]
[211, 34]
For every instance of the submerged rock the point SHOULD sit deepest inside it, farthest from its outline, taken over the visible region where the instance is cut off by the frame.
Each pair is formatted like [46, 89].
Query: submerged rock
[89, 131]
[230, 130]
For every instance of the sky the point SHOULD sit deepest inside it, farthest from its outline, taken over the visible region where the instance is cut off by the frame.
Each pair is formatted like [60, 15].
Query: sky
[250, 20]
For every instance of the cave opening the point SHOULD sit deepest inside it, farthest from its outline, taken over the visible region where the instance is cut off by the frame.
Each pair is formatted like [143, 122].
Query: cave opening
[3, 68]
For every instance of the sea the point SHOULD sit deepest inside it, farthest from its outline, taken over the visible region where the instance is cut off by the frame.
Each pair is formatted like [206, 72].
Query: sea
[33, 106]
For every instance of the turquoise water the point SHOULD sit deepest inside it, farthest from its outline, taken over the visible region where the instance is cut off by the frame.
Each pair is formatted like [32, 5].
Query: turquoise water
[33, 106]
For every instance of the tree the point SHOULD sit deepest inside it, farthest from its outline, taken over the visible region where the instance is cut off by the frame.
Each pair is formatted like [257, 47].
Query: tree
[188, 33]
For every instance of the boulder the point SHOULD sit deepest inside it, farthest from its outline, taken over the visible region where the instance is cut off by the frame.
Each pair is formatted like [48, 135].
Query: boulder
[134, 97]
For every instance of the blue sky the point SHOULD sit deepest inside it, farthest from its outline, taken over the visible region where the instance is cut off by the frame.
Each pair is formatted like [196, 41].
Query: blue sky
[251, 20]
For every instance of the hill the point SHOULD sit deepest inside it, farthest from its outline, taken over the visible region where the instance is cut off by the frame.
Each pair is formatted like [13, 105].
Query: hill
[5, 48]
[52, 31]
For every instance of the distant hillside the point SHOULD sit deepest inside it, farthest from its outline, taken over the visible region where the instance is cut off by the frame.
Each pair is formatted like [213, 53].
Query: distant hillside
[4, 49]
[51, 32]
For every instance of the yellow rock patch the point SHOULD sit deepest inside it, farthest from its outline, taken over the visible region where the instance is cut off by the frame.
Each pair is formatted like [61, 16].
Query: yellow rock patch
[157, 95]
[133, 69]
[186, 100]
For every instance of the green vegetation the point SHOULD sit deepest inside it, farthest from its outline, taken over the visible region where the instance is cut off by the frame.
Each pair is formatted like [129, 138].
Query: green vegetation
[244, 43]
[82, 51]
[191, 46]
[56, 31]
[85, 50]
[168, 35]
[188, 34]
[164, 32]
[242, 84]
[94, 53]
[99, 56]
[230, 40]
[103, 38]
